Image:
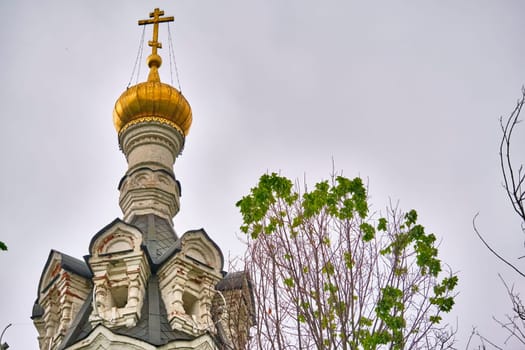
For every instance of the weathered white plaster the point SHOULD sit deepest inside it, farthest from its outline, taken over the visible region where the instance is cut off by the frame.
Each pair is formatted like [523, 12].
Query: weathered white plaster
[149, 186]
[147, 191]
[120, 270]
[102, 338]
[151, 144]
[187, 284]
[61, 295]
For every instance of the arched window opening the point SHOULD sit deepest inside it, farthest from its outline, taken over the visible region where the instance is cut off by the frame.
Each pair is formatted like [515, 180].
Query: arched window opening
[190, 304]
[120, 296]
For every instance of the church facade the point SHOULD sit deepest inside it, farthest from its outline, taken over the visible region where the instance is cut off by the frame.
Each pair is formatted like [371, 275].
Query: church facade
[142, 286]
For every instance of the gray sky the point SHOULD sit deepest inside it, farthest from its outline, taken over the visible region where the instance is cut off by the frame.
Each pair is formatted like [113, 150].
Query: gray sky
[406, 94]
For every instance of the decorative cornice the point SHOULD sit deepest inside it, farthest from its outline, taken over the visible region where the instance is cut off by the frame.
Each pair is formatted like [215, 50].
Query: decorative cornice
[151, 119]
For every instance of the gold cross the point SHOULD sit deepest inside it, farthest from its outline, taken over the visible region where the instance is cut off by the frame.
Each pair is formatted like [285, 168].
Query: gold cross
[155, 21]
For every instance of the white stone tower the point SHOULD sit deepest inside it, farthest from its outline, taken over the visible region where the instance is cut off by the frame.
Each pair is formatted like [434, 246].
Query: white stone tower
[141, 286]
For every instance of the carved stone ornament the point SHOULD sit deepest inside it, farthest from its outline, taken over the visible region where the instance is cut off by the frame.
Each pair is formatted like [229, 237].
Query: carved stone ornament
[120, 270]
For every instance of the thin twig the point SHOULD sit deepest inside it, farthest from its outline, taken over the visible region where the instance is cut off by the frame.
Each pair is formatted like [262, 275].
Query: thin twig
[491, 249]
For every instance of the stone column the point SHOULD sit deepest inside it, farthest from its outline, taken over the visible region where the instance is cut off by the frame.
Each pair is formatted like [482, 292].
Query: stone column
[149, 185]
[133, 291]
[206, 296]
[178, 287]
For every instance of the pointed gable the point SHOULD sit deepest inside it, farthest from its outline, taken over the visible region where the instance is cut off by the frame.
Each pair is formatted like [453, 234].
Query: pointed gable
[116, 238]
[56, 262]
[199, 247]
[120, 268]
[64, 284]
[187, 282]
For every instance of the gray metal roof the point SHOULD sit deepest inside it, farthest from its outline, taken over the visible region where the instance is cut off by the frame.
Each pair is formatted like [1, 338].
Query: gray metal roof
[158, 235]
[233, 280]
[75, 266]
[38, 310]
[236, 281]
[68, 263]
[153, 326]
[80, 327]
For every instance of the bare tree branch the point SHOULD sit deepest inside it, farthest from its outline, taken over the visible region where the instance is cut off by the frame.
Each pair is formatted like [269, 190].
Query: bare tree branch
[513, 183]
[491, 249]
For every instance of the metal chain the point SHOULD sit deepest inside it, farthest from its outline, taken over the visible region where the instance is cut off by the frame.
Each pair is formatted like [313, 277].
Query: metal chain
[138, 60]
[172, 56]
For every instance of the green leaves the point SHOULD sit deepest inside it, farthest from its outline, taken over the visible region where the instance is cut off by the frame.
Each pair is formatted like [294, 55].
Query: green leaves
[328, 268]
[435, 319]
[450, 283]
[342, 200]
[3, 246]
[443, 303]
[347, 256]
[441, 296]
[411, 217]
[426, 252]
[255, 206]
[381, 225]
[289, 282]
[368, 231]
[390, 310]
[325, 247]
[390, 299]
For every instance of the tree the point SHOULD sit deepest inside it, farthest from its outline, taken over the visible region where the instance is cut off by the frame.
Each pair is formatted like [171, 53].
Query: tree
[3, 246]
[513, 183]
[327, 274]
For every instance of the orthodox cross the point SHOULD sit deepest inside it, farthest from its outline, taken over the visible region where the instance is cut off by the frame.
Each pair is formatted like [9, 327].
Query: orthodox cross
[156, 19]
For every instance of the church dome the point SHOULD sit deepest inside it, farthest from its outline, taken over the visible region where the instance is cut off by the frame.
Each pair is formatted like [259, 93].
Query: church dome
[152, 101]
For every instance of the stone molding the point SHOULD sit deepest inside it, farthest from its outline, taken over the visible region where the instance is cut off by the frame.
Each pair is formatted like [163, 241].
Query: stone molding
[102, 338]
[146, 191]
[151, 143]
[151, 150]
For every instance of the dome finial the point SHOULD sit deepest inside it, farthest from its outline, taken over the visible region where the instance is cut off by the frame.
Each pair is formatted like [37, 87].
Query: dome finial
[154, 61]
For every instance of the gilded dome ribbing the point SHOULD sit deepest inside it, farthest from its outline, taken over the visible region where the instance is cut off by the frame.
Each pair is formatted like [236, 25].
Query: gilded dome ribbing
[152, 101]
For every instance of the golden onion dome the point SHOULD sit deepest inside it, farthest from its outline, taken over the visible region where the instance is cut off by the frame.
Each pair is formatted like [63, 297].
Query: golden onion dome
[152, 101]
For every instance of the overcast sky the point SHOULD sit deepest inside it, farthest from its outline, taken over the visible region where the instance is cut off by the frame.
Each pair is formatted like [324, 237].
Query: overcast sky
[406, 94]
